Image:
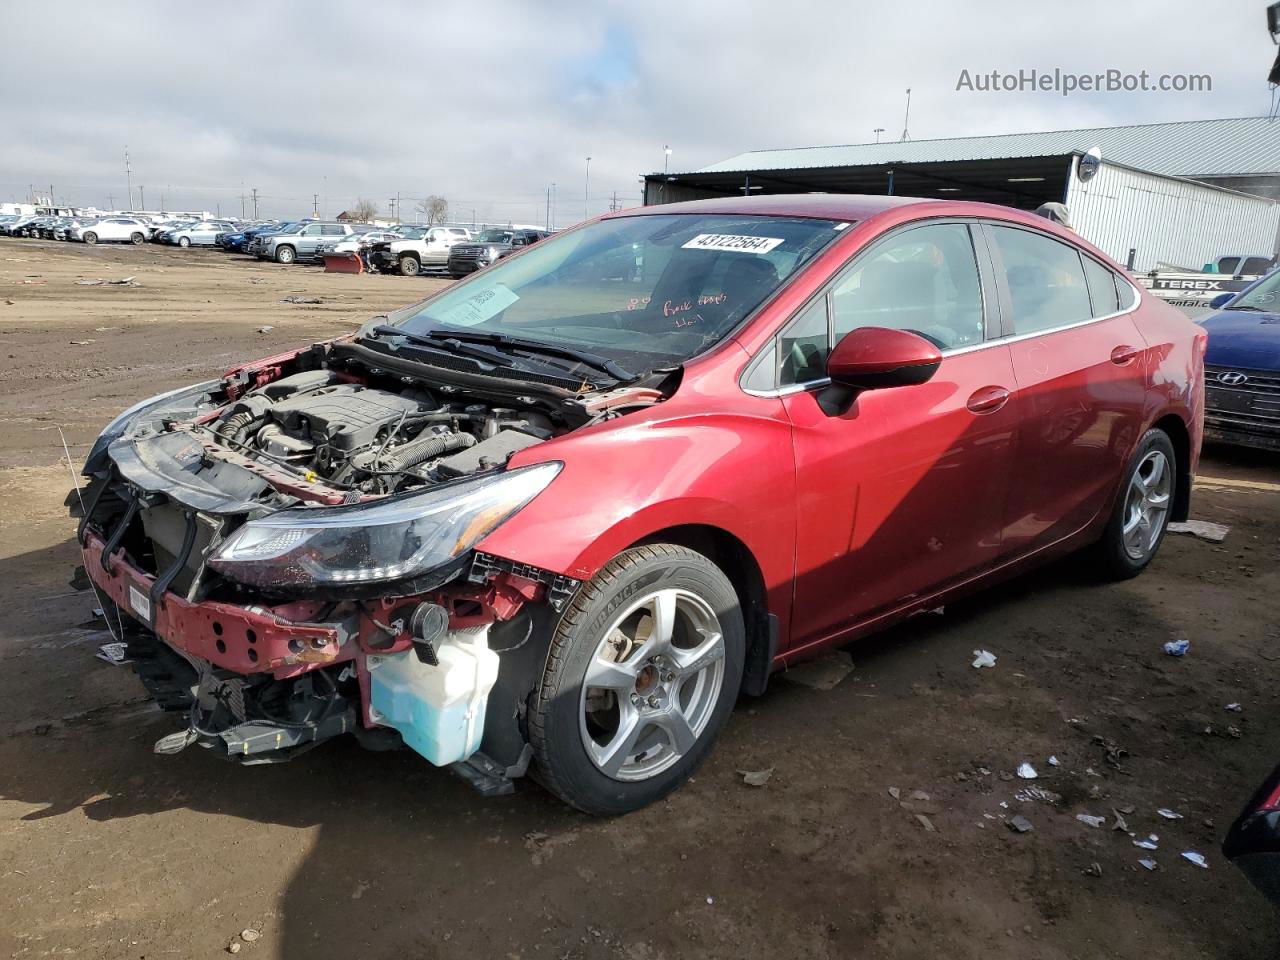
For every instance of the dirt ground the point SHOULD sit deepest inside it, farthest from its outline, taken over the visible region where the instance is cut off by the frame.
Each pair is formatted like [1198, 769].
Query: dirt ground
[108, 851]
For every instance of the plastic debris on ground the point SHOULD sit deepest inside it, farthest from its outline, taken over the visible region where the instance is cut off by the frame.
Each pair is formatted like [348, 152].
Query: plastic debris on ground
[114, 654]
[1212, 532]
[1053, 762]
[301, 300]
[1091, 820]
[1120, 823]
[1151, 843]
[1149, 864]
[1169, 814]
[1039, 794]
[1020, 824]
[1092, 870]
[895, 793]
[926, 823]
[756, 778]
[824, 673]
[1234, 707]
[1177, 648]
[983, 658]
[1027, 772]
[1196, 858]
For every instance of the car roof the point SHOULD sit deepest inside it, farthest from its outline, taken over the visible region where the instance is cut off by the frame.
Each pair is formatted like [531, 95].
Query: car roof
[852, 207]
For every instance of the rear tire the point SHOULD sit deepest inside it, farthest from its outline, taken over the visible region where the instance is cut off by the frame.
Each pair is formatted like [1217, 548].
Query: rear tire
[659, 696]
[90, 237]
[409, 266]
[286, 254]
[1144, 503]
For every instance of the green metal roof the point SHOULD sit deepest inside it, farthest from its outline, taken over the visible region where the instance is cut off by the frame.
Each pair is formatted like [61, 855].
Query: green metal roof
[1190, 148]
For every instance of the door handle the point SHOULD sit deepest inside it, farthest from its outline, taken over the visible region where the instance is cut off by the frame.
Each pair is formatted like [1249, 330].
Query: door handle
[988, 399]
[1123, 355]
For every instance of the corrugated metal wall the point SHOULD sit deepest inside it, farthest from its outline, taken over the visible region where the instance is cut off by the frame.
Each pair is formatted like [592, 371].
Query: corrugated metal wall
[1168, 221]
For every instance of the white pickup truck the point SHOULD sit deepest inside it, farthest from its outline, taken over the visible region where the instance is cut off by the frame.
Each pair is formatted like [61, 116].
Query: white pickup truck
[1180, 287]
[421, 249]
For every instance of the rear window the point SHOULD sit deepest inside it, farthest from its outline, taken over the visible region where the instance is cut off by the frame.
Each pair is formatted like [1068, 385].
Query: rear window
[1102, 288]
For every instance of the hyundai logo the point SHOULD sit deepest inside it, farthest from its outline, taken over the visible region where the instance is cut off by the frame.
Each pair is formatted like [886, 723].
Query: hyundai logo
[1232, 378]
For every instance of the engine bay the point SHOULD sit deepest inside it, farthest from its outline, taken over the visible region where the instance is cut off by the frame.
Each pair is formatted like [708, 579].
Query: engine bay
[372, 440]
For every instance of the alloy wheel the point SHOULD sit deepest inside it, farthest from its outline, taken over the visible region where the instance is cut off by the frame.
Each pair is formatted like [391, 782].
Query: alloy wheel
[652, 685]
[1147, 504]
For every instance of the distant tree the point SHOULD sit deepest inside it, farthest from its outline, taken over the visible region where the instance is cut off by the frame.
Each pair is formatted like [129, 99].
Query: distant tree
[364, 211]
[434, 209]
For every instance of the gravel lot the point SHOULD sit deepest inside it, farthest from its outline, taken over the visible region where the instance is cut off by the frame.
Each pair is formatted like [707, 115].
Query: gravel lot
[107, 851]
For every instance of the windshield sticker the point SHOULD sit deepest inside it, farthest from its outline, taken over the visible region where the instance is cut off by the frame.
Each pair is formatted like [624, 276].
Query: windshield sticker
[479, 307]
[732, 243]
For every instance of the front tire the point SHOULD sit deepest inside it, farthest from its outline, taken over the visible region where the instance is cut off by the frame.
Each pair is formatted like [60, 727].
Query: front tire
[90, 237]
[184, 241]
[409, 266]
[642, 673]
[136, 238]
[286, 255]
[1143, 506]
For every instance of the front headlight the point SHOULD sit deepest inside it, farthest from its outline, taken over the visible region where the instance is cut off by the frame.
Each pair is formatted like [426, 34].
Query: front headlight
[379, 541]
[183, 399]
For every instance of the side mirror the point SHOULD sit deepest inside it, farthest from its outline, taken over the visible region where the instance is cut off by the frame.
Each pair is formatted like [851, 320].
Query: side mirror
[1220, 301]
[875, 358]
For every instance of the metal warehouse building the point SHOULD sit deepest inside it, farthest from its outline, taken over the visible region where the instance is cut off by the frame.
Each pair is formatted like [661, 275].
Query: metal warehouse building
[1173, 193]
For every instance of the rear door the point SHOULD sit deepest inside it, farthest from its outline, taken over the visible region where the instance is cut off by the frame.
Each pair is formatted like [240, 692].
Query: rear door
[1080, 367]
[903, 494]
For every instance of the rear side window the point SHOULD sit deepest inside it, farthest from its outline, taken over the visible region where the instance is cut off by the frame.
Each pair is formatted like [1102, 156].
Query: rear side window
[334, 230]
[1228, 264]
[1124, 293]
[1102, 288]
[1046, 280]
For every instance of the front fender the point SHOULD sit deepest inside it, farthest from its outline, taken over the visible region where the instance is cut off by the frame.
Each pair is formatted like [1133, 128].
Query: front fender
[623, 482]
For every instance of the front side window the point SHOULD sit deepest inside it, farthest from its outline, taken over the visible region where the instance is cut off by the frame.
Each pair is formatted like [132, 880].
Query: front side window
[923, 281]
[651, 289]
[1046, 280]
[1255, 266]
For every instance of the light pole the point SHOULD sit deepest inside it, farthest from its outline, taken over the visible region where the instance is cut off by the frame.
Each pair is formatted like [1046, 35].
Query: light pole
[878, 131]
[586, 182]
[666, 158]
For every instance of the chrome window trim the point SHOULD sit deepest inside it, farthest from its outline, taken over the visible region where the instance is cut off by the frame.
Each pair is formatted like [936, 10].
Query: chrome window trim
[794, 388]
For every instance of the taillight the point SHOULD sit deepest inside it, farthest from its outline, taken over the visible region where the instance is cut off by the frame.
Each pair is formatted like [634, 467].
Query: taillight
[1273, 800]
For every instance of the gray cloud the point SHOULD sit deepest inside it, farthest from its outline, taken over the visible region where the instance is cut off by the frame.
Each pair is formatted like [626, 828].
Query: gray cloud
[490, 103]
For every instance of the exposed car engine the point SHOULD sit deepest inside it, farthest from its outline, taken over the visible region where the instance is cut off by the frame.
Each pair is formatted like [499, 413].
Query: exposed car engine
[372, 440]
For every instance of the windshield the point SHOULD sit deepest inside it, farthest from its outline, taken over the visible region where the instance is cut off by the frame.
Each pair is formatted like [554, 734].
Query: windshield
[494, 236]
[1264, 295]
[645, 290]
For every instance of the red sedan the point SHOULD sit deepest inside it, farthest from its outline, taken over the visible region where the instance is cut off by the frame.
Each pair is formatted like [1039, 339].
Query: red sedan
[559, 515]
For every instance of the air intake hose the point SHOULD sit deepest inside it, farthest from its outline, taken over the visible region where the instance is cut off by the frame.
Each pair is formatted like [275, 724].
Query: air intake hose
[418, 451]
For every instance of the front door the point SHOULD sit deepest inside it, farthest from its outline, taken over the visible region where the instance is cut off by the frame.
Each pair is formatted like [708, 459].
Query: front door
[903, 494]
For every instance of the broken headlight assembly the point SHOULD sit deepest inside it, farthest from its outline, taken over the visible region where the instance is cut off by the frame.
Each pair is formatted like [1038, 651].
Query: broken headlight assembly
[379, 541]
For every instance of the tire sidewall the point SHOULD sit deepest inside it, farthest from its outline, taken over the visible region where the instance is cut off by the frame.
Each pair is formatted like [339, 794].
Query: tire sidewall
[1117, 557]
[588, 787]
[136, 238]
[285, 255]
[184, 242]
[90, 237]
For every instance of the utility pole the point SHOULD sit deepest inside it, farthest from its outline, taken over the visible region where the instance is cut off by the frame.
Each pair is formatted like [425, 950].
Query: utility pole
[586, 199]
[548, 209]
[553, 204]
[128, 178]
[666, 158]
[242, 203]
[315, 204]
[255, 203]
[906, 117]
[878, 131]
[51, 203]
[613, 204]
[142, 197]
[111, 201]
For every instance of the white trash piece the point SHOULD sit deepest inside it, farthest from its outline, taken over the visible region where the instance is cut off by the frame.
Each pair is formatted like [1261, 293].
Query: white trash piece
[983, 658]
[438, 710]
[1027, 772]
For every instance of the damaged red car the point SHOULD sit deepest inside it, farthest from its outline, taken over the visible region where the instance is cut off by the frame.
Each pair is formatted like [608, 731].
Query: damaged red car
[556, 518]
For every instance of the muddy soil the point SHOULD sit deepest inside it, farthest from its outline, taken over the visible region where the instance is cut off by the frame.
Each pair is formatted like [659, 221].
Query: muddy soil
[108, 851]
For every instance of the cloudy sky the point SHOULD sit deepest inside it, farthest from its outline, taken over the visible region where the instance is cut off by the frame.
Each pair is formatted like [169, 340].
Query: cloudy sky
[490, 103]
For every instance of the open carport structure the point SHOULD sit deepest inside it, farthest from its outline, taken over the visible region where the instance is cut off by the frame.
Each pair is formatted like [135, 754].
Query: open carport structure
[1181, 193]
